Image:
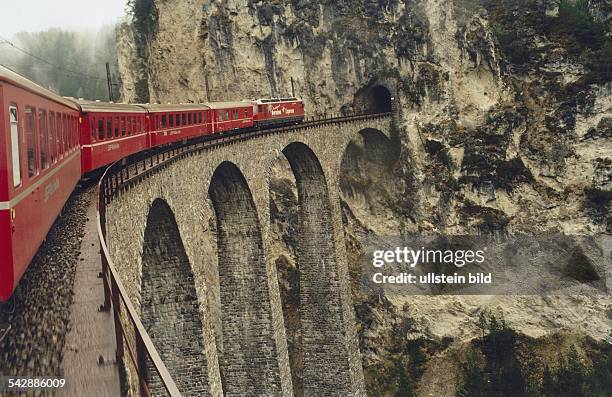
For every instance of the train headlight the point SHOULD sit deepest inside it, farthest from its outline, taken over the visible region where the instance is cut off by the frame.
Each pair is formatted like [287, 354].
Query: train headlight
[13, 213]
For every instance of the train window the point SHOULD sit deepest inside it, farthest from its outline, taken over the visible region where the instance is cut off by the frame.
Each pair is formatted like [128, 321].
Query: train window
[100, 129]
[184, 119]
[30, 138]
[189, 119]
[116, 126]
[70, 138]
[163, 121]
[123, 126]
[58, 137]
[14, 120]
[70, 122]
[75, 132]
[92, 125]
[43, 139]
[68, 141]
[109, 128]
[171, 120]
[65, 133]
[71, 131]
[200, 117]
[52, 137]
[227, 116]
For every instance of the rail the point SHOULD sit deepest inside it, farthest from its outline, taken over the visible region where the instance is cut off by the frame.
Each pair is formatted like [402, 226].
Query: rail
[131, 170]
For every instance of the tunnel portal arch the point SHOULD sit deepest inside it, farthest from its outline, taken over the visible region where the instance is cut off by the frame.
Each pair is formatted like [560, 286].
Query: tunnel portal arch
[372, 99]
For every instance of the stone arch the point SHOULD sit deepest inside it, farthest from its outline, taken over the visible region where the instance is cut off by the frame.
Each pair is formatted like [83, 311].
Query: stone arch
[250, 363]
[374, 98]
[325, 353]
[169, 305]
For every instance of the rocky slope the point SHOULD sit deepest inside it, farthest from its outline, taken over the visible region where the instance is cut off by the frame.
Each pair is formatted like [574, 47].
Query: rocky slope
[504, 127]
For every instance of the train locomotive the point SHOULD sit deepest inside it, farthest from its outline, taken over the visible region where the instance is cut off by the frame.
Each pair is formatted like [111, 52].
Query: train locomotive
[48, 142]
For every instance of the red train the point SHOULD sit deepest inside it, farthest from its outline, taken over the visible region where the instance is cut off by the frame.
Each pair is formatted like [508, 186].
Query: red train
[47, 142]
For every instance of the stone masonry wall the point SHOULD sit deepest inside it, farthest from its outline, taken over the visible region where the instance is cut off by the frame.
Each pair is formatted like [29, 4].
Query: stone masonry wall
[169, 309]
[250, 361]
[185, 186]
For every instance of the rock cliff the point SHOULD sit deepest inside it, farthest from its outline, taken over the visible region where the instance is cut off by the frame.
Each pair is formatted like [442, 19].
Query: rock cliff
[504, 126]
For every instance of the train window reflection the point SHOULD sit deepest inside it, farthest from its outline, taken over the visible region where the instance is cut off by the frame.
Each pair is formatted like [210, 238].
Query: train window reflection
[100, 129]
[52, 137]
[43, 138]
[30, 138]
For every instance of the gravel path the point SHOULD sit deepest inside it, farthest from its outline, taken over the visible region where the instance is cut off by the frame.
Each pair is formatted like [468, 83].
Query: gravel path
[40, 321]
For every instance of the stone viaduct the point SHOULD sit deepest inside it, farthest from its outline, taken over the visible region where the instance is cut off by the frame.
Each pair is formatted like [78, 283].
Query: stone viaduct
[191, 244]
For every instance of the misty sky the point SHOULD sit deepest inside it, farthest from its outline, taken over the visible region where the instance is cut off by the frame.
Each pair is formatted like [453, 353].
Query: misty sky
[39, 15]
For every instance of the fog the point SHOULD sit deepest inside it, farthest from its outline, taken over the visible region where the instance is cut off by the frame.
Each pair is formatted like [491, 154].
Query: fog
[71, 63]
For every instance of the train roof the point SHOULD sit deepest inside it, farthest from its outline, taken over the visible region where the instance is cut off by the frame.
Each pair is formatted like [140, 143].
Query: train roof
[107, 107]
[177, 107]
[273, 100]
[227, 105]
[14, 78]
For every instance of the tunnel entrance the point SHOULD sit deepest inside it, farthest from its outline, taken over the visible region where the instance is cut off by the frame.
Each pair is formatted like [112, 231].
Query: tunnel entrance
[373, 99]
[169, 304]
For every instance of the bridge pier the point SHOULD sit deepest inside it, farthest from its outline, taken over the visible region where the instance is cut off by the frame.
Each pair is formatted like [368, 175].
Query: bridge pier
[250, 363]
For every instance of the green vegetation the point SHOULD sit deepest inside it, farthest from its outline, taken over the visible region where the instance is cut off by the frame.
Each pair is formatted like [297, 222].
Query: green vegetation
[576, 20]
[492, 368]
[575, 28]
[511, 44]
[502, 374]
[584, 36]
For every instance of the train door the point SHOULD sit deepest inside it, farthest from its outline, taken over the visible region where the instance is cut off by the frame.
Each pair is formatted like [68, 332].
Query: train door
[15, 154]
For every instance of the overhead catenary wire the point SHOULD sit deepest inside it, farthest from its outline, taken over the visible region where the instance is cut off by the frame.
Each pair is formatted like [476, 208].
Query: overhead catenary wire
[51, 64]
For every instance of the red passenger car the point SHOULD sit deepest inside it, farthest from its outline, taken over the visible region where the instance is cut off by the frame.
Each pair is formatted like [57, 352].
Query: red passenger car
[230, 116]
[277, 111]
[172, 123]
[40, 164]
[110, 132]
